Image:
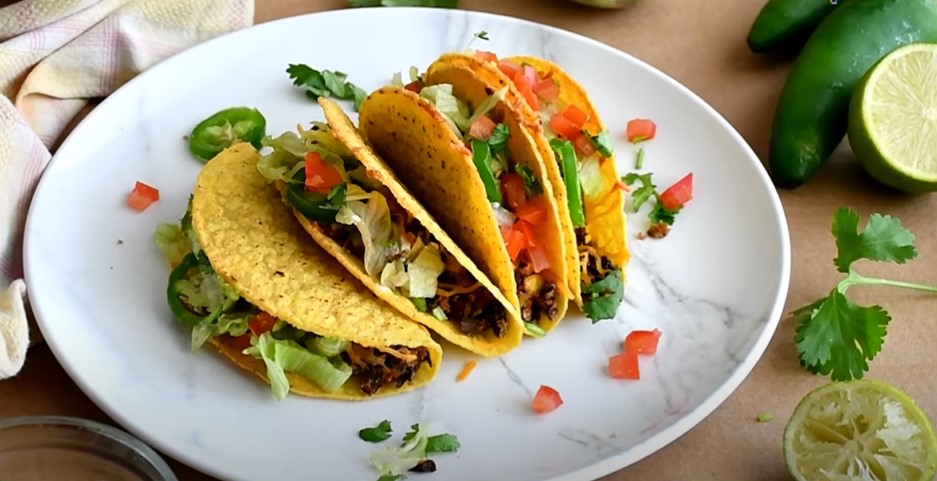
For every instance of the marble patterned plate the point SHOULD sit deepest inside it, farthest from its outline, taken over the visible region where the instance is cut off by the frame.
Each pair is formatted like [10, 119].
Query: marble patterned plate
[715, 286]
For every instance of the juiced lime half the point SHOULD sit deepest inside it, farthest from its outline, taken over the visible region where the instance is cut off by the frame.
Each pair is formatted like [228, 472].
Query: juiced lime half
[893, 119]
[859, 431]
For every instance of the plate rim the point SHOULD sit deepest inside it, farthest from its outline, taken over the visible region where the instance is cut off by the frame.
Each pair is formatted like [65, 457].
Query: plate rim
[611, 464]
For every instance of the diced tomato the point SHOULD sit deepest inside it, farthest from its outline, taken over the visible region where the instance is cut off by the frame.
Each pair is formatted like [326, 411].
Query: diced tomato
[531, 239]
[241, 342]
[546, 400]
[678, 194]
[409, 238]
[526, 88]
[624, 366]
[509, 68]
[547, 89]
[486, 56]
[414, 86]
[261, 323]
[530, 73]
[482, 128]
[564, 128]
[538, 258]
[575, 115]
[515, 242]
[640, 129]
[642, 342]
[584, 146]
[512, 189]
[142, 196]
[534, 210]
[321, 176]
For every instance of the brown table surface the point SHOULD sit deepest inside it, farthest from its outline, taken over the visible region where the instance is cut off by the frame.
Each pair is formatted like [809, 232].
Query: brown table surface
[702, 45]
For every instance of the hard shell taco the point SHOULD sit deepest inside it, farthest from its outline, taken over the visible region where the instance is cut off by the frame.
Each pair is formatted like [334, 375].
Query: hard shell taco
[459, 147]
[248, 280]
[350, 202]
[566, 129]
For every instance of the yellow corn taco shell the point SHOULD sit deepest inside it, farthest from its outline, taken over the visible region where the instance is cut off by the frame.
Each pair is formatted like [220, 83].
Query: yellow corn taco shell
[255, 245]
[487, 345]
[434, 164]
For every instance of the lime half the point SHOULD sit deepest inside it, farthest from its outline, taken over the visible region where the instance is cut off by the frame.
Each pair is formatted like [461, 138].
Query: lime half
[893, 119]
[859, 431]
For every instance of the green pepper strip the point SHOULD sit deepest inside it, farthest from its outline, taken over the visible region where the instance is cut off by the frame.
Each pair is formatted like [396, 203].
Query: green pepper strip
[481, 154]
[176, 305]
[567, 158]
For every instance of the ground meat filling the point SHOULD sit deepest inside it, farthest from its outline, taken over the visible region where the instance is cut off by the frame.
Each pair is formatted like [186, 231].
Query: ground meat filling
[537, 295]
[594, 267]
[466, 303]
[374, 368]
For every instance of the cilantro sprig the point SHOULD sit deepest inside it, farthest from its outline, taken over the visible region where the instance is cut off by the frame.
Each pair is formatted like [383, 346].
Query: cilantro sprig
[835, 336]
[376, 434]
[325, 83]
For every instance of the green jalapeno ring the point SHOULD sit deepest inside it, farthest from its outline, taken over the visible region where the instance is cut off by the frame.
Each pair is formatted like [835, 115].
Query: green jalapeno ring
[224, 128]
[179, 309]
[313, 205]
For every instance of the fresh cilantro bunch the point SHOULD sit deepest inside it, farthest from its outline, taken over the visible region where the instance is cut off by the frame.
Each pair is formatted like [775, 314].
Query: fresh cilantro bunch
[326, 83]
[834, 336]
[405, 3]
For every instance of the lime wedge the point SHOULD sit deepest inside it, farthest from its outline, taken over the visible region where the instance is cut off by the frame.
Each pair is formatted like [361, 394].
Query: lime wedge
[893, 119]
[859, 431]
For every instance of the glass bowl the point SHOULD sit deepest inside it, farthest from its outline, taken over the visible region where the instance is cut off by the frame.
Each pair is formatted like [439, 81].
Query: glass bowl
[56, 448]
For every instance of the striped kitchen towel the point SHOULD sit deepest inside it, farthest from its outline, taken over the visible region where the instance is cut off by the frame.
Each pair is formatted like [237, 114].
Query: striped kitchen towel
[55, 55]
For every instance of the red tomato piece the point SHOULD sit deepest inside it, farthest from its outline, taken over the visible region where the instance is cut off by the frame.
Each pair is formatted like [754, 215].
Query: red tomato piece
[241, 342]
[515, 242]
[509, 68]
[584, 146]
[538, 258]
[526, 88]
[531, 74]
[142, 196]
[531, 239]
[486, 56]
[575, 115]
[639, 130]
[624, 366]
[547, 89]
[482, 128]
[546, 400]
[321, 176]
[414, 86]
[534, 210]
[642, 342]
[564, 128]
[678, 194]
[512, 190]
[261, 323]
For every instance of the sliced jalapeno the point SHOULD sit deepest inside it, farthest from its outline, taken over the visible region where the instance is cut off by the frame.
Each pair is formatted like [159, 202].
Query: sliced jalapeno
[567, 160]
[183, 312]
[225, 128]
[315, 206]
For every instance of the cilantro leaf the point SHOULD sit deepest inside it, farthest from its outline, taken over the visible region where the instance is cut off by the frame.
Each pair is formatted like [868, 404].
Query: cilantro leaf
[603, 143]
[659, 214]
[376, 434]
[531, 184]
[642, 194]
[442, 443]
[839, 337]
[414, 430]
[327, 83]
[482, 34]
[499, 139]
[883, 239]
[601, 299]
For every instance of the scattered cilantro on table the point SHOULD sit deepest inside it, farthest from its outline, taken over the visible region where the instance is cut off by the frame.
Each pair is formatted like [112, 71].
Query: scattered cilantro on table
[376, 434]
[658, 215]
[413, 452]
[834, 336]
[325, 83]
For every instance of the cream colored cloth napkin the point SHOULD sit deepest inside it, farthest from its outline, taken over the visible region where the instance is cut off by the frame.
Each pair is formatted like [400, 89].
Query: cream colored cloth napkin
[55, 55]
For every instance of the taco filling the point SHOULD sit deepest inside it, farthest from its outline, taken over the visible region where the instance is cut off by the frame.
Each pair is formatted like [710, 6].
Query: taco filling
[214, 310]
[329, 186]
[514, 192]
[580, 155]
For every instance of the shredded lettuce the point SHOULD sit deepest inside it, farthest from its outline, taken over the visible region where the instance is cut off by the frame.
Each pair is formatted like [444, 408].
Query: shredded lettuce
[326, 346]
[282, 356]
[424, 272]
[207, 291]
[396, 80]
[488, 104]
[454, 111]
[399, 460]
[394, 275]
[590, 177]
[173, 243]
[372, 219]
[285, 159]
[230, 323]
[439, 313]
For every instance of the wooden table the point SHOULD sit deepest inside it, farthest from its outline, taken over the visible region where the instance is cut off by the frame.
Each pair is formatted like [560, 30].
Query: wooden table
[701, 44]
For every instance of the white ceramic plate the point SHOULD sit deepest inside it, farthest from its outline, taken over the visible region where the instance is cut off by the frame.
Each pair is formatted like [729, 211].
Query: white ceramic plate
[715, 286]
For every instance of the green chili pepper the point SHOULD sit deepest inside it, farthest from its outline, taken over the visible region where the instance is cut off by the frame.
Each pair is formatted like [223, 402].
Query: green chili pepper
[225, 128]
[315, 206]
[567, 159]
[481, 153]
[179, 308]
